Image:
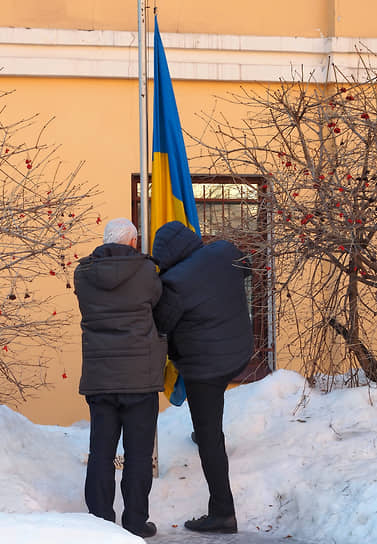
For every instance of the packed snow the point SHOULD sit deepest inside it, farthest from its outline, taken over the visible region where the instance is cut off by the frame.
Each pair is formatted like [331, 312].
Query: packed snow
[303, 464]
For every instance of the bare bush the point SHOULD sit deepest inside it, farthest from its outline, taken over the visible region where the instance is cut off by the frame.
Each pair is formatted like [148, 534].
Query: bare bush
[44, 213]
[316, 148]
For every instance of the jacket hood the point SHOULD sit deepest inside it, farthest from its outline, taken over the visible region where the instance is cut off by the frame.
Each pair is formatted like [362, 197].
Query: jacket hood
[110, 265]
[173, 243]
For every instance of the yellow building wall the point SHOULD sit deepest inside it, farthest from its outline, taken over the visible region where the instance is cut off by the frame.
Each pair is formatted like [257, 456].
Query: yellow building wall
[309, 18]
[97, 119]
[240, 17]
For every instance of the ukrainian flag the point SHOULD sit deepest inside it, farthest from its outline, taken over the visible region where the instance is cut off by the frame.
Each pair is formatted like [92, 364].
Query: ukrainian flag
[172, 194]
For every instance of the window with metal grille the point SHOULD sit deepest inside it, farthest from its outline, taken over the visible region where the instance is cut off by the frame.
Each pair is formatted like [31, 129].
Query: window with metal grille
[232, 209]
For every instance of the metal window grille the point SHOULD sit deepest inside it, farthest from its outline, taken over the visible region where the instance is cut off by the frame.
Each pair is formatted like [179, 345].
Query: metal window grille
[234, 209]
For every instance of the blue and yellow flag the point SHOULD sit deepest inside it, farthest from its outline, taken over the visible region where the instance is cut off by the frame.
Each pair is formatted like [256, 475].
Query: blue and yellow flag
[172, 194]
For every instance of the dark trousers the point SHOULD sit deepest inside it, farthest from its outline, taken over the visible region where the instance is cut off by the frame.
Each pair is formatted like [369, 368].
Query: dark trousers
[206, 402]
[135, 415]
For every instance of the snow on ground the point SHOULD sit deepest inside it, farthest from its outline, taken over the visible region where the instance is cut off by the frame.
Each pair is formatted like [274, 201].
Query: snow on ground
[302, 463]
[56, 528]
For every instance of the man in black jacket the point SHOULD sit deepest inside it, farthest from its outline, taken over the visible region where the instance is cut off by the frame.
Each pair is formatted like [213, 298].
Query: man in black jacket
[122, 371]
[203, 310]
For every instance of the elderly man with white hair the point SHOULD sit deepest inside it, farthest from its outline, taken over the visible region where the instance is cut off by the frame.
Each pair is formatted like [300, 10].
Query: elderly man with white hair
[123, 360]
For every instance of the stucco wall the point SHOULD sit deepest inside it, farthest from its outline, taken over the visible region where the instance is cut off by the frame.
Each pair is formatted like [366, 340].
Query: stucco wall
[309, 18]
[96, 121]
[97, 118]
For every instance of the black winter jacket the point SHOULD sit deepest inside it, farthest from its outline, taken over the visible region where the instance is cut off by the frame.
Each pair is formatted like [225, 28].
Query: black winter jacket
[122, 352]
[203, 308]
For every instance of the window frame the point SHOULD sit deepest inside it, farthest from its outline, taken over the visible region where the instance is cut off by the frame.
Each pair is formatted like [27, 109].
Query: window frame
[258, 366]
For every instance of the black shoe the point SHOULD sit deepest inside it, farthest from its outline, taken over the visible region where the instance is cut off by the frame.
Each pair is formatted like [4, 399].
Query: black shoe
[213, 524]
[148, 530]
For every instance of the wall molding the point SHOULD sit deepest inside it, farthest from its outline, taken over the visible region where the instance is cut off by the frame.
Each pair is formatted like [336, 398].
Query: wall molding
[113, 54]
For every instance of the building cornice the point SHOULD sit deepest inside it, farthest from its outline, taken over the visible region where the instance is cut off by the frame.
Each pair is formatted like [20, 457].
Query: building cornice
[113, 54]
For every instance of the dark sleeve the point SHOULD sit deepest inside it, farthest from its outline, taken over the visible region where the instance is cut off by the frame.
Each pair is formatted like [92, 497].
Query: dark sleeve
[243, 263]
[246, 265]
[168, 311]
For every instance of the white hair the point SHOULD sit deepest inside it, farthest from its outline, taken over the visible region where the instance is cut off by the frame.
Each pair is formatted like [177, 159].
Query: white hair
[119, 230]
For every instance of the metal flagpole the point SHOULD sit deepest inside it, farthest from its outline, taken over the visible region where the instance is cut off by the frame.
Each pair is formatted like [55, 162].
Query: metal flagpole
[143, 136]
[143, 132]
[271, 308]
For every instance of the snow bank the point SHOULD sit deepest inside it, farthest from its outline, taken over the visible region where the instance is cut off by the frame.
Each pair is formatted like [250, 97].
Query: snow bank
[302, 464]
